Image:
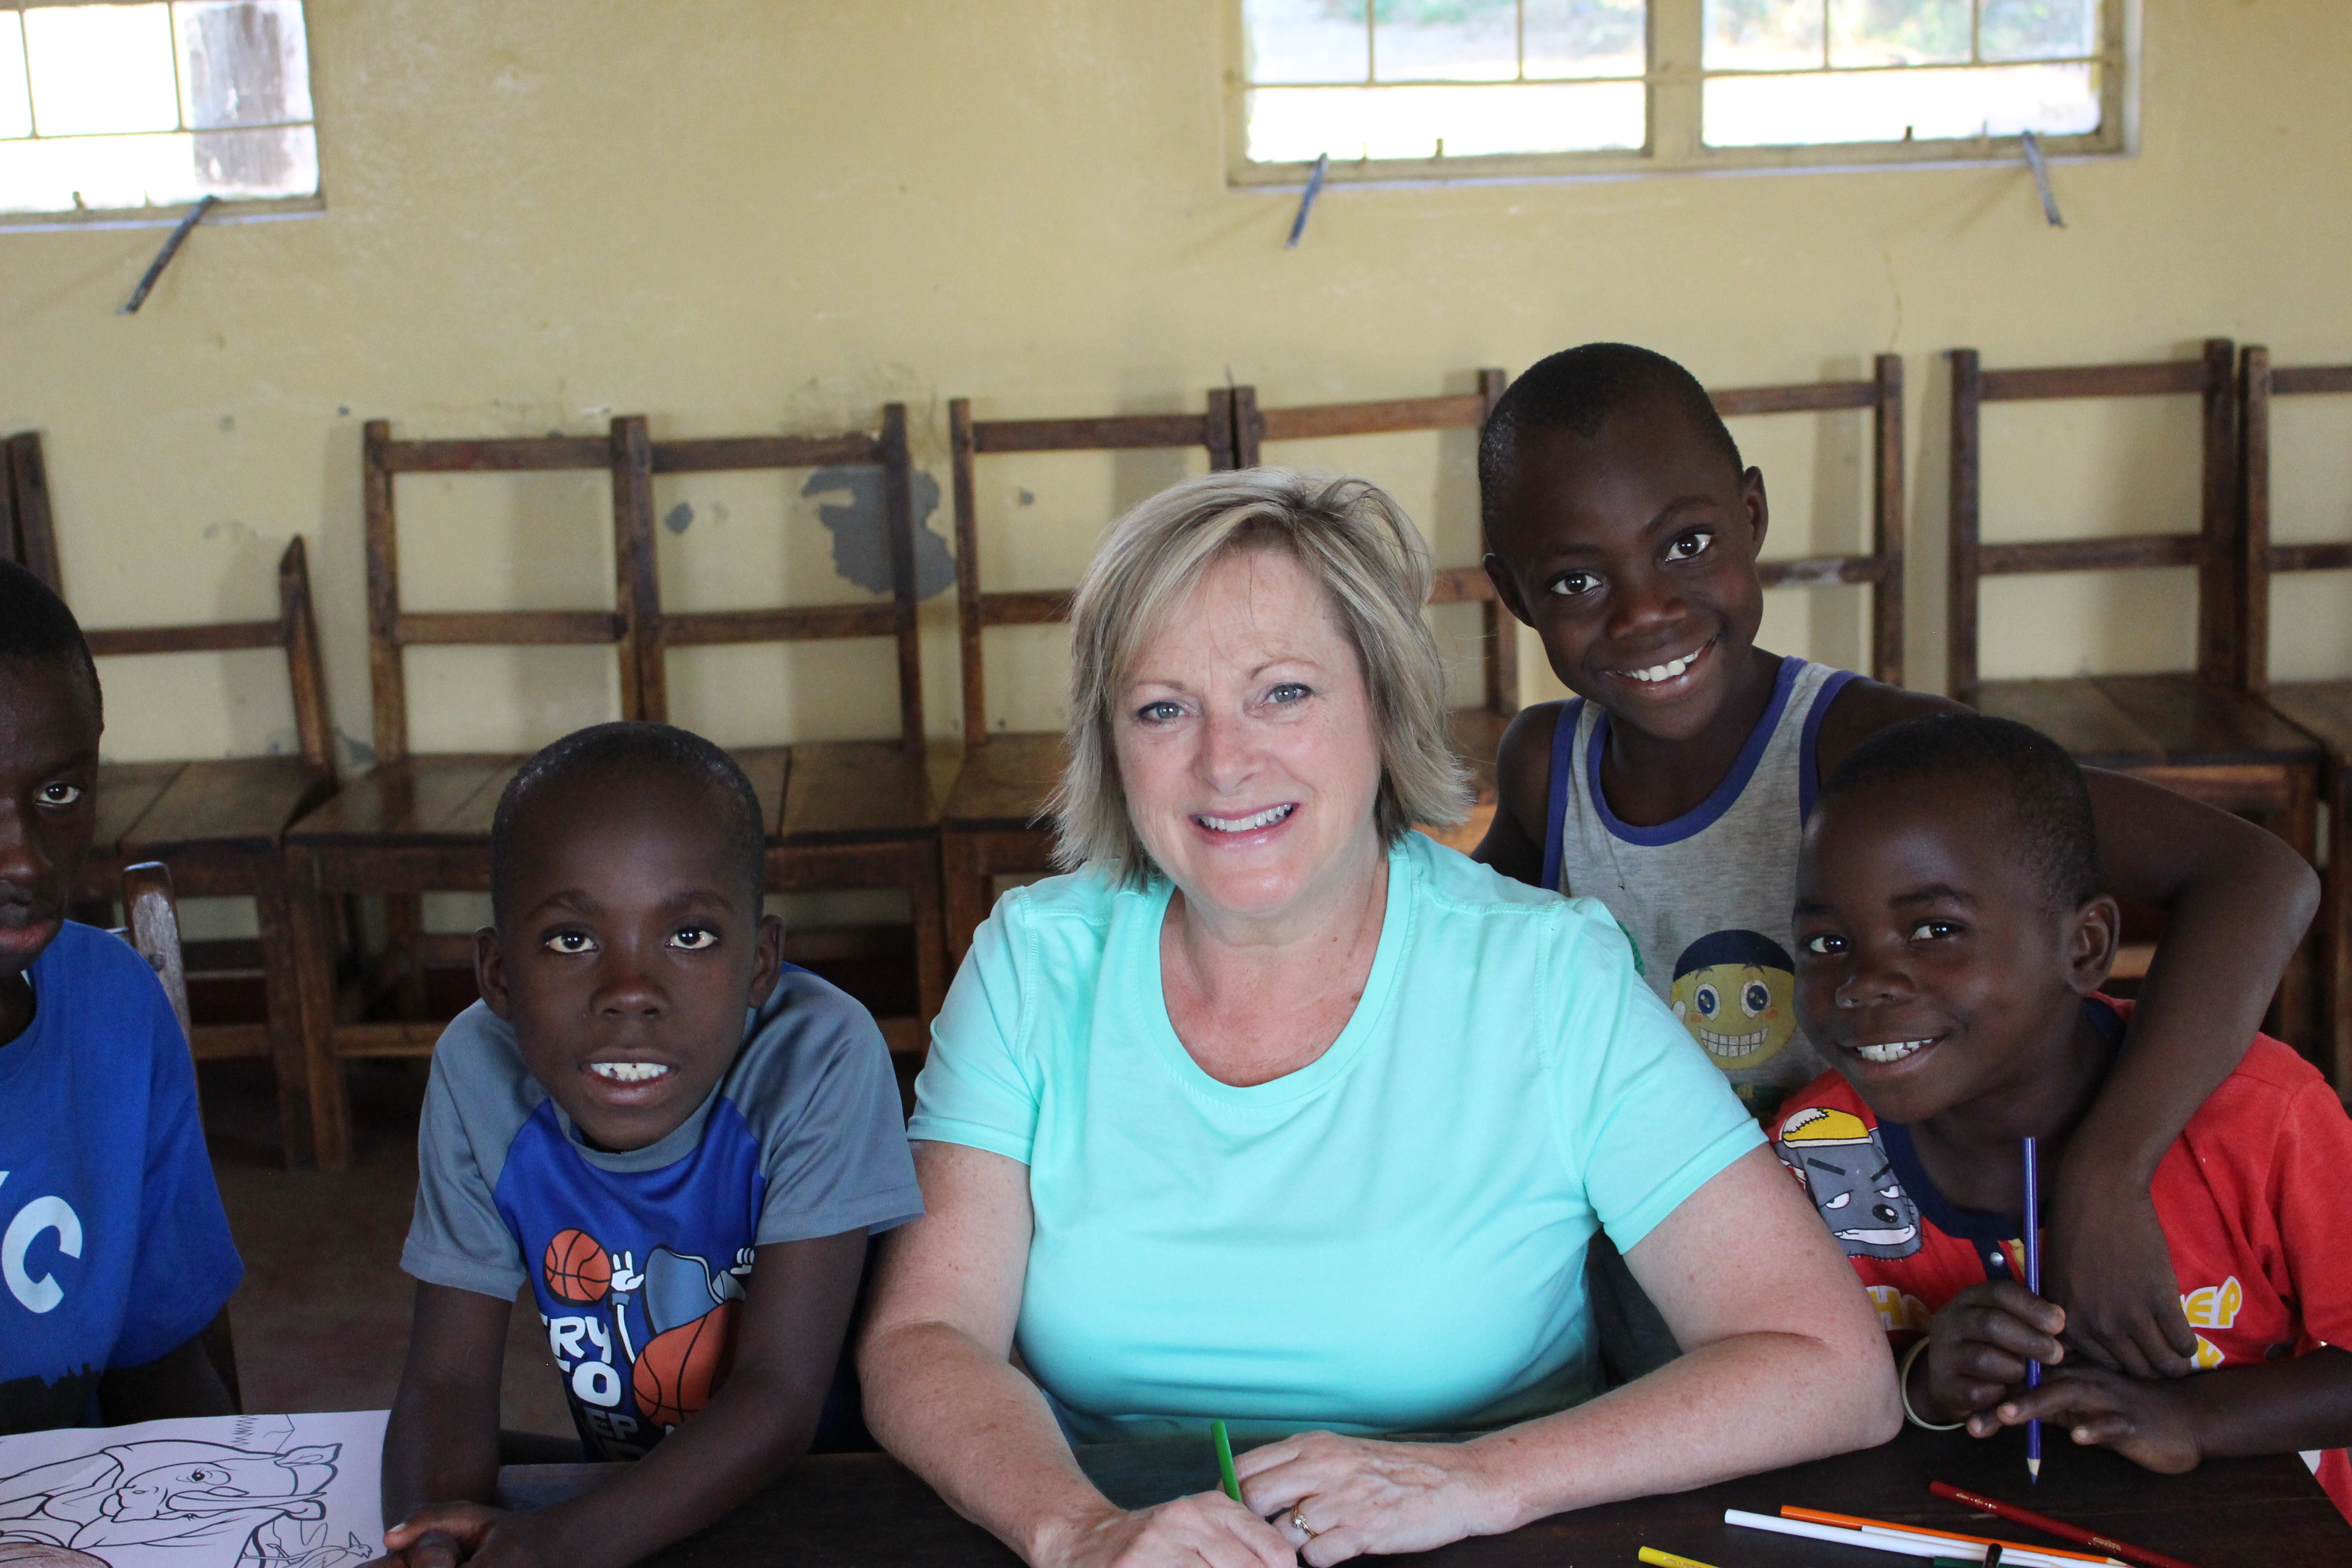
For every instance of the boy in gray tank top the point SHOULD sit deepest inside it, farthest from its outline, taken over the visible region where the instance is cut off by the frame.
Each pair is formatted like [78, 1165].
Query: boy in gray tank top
[1624, 528]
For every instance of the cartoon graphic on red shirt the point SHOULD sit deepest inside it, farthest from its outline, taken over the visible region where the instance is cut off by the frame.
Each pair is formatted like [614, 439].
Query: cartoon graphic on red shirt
[2247, 1196]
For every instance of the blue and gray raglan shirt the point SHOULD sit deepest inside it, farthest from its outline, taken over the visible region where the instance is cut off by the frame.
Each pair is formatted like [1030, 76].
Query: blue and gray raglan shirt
[637, 1260]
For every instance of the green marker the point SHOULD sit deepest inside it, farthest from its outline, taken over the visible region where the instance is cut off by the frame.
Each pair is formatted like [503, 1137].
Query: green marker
[1226, 1460]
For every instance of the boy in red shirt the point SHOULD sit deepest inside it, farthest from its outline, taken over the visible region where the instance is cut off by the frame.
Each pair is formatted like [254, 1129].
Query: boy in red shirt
[1951, 943]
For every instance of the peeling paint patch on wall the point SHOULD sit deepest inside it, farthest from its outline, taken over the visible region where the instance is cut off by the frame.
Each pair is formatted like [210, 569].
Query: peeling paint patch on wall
[861, 551]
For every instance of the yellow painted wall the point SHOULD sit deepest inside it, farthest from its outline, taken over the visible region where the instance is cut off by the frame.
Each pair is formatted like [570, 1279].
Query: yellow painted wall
[747, 216]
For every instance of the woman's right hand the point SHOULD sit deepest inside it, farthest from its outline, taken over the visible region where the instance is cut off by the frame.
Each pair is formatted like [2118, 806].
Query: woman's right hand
[1205, 1528]
[1977, 1348]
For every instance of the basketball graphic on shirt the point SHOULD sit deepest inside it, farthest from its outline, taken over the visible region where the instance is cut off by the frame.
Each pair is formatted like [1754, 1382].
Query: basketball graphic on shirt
[678, 1371]
[41, 1554]
[577, 1269]
[1736, 991]
[1853, 1183]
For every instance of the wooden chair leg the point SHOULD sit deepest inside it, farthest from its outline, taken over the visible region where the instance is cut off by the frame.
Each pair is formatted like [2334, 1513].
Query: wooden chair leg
[404, 919]
[931, 974]
[314, 963]
[967, 886]
[2335, 932]
[281, 971]
[2298, 1014]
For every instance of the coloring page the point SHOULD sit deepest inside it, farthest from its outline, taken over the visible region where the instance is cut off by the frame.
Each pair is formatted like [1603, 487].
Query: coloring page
[224, 1491]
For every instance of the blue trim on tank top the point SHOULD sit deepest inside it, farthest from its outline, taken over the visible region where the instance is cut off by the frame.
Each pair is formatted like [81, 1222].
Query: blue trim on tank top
[1563, 764]
[1809, 763]
[1706, 813]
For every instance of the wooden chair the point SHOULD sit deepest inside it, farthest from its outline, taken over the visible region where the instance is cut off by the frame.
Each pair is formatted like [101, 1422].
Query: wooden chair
[216, 821]
[2321, 708]
[151, 926]
[2194, 732]
[1882, 567]
[840, 814]
[24, 528]
[995, 822]
[421, 823]
[1477, 731]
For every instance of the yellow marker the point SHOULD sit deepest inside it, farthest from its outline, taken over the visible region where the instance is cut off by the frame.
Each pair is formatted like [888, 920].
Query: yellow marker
[1658, 1559]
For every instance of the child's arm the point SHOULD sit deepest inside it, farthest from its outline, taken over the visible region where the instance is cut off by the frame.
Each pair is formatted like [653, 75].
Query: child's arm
[2238, 902]
[442, 1441]
[1514, 844]
[795, 1312]
[2171, 1427]
[1975, 1364]
[180, 1382]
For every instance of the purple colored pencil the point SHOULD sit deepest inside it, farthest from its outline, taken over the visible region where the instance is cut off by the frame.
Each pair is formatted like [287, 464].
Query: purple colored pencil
[2032, 1283]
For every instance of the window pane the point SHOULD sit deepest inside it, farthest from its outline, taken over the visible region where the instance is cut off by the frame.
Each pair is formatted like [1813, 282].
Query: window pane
[15, 102]
[97, 172]
[1289, 125]
[1887, 106]
[243, 62]
[2038, 29]
[272, 160]
[1898, 32]
[1307, 40]
[102, 68]
[1585, 37]
[1762, 35]
[1446, 40]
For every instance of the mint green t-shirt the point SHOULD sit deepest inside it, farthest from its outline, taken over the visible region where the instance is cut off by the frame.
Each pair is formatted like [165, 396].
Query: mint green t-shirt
[1390, 1238]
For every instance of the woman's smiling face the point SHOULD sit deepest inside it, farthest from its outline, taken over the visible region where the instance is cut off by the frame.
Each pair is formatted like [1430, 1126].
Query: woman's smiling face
[1246, 743]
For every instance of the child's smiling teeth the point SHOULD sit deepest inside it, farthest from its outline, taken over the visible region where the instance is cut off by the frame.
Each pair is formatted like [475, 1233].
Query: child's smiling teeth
[1667, 670]
[1251, 824]
[1892, 1051]
[629, 1072]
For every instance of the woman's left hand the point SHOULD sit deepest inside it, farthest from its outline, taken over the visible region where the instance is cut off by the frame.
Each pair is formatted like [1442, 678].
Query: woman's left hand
[1355, 1496]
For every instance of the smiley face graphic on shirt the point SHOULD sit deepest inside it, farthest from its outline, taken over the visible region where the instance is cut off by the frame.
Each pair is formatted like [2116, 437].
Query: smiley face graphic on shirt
[1736, 991]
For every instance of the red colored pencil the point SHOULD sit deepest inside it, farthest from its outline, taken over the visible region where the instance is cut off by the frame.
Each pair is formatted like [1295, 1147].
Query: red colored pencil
[2074, 1532]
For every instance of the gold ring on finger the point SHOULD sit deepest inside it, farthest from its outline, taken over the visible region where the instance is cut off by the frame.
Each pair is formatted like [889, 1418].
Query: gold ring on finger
[1298, 1523]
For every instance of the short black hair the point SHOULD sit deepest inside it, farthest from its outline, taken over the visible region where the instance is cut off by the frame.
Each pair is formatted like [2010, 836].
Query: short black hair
[1577, 389]
[36, 624]
[2038, 785]
[632, 748]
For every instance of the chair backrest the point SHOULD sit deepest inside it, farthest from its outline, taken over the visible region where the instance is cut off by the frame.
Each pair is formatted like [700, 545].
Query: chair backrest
[26, 530]
[1256, 427]
[295, 631]
[151, 925]
[626, 453]
[2258, 383]
[1881, 567]
[662, 630]
[1212, 431]
[2212, 549]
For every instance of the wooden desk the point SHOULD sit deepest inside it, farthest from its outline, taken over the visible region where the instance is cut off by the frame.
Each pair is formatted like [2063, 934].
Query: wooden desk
[860, 1509]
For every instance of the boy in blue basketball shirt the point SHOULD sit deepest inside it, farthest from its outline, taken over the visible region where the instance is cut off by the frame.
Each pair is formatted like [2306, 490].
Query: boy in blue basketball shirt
[114, 1253]
[686, 1187]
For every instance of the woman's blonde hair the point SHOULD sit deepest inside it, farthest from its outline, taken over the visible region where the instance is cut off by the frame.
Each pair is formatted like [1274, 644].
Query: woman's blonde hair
[1354, 541]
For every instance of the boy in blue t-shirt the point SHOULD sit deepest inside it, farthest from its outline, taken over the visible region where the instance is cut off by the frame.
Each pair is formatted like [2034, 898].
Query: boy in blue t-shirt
[687, 1186]
[114, 1251]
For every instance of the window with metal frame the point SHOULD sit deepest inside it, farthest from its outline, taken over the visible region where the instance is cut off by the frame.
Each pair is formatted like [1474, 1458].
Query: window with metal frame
[1466, 90]
[108, 109]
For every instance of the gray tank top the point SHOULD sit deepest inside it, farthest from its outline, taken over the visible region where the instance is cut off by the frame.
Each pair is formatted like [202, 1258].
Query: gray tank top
[1705, 898]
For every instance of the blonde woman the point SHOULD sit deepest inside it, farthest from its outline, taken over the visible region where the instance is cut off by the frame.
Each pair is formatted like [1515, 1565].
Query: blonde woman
[1274, 1111]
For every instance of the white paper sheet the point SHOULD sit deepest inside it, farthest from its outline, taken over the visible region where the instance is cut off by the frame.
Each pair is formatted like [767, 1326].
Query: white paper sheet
[226, 1491]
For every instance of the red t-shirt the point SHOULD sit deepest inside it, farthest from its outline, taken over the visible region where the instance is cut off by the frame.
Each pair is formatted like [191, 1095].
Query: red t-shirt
[2248, 1195]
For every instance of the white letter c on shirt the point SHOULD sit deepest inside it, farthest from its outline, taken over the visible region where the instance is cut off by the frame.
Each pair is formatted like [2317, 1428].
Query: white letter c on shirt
[51, 1212]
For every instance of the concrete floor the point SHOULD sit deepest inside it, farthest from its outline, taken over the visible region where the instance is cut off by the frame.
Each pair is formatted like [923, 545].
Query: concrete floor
[321, 1320]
